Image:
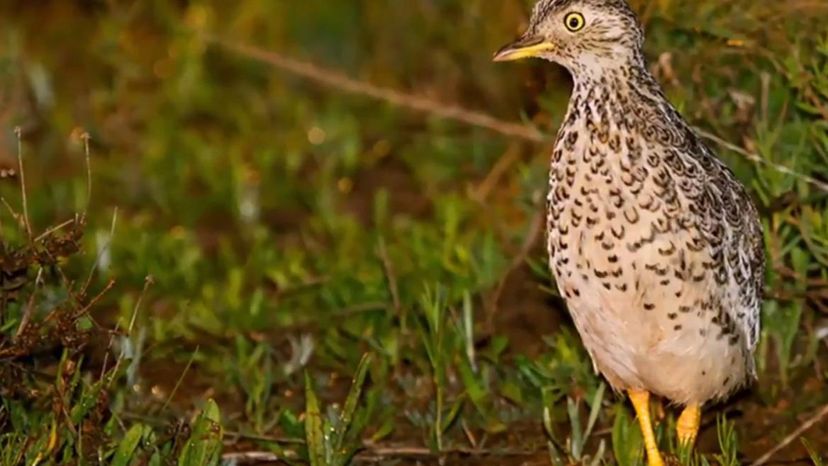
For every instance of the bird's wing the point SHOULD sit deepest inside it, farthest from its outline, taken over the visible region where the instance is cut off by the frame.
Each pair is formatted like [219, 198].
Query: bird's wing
[733, 232]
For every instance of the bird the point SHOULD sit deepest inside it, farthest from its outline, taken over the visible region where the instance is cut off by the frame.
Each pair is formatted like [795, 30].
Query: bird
[655, 245]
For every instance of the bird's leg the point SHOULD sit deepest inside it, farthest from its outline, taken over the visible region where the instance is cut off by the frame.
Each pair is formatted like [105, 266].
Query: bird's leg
[641, 402]
[687, 427]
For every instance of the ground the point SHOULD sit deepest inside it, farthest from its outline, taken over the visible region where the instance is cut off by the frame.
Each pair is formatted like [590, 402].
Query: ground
[312, 233]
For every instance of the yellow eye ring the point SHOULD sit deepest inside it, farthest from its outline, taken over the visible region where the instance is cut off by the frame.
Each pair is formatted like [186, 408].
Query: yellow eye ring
[574, 22]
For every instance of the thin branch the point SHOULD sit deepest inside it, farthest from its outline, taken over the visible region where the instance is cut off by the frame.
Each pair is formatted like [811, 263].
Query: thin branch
[19, 133]
[500, 168]
[30, 306]
[339, 81]
[390, 277]
[148, 281]
[374, 453]
[103, 250]
[755, 158]
[534, 232]
[382, 453]
[51, 230]
[810, 422]
[85, 136]
[180, 379]
[257, 457]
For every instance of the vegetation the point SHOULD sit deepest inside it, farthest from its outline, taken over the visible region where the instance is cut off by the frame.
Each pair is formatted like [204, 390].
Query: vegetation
[254, 260]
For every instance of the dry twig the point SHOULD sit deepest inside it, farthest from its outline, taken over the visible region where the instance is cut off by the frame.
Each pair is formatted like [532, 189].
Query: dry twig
[810, 422]
[340, 81]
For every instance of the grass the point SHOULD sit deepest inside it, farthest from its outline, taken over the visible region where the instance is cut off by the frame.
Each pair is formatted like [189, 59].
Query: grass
[252, 236]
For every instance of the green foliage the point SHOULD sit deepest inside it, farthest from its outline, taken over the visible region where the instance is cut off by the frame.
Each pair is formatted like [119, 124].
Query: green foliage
[289, 229]
[728, 443]
[627, 442]
[816, 458]
[333, 441]
[204, 445]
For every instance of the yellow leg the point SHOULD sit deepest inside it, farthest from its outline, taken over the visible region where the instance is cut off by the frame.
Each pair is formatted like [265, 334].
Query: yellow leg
[687, 427]
[641, 402]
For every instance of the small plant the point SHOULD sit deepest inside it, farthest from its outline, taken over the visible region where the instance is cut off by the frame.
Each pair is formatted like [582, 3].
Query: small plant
[728, 443]
[204, 445]
[333, 440]
[577, 441]
[435, 332]
[627, 444]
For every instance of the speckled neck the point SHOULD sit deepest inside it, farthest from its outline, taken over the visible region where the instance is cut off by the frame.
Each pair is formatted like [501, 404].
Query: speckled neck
[626, 97]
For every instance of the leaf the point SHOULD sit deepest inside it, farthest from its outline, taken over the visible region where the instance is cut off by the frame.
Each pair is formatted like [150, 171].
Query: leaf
[126, 449]
[578, 439]
[626, 439]
[354, 395]
[313, 426]
[595, 409]
[815, 457]
[454, 412]
[204, 445]
[88, 399]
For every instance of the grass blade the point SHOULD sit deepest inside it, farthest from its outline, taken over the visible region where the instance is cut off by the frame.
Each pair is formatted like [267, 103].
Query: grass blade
[347, 414]
[595, 410]
[126, 449]
[313, 426]
[815, 457]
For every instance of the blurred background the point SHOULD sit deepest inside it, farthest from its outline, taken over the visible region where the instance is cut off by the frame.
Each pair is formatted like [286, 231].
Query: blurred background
[279, 188]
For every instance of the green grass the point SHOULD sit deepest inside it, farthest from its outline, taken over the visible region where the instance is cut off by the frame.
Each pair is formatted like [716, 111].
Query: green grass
[290, 229]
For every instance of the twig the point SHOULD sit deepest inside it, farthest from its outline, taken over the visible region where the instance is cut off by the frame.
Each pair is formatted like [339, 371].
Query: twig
[342, 82]
[19, 133]
[371, 452]
[29, 311]
[363, 308]
[54, 229]
[378, 454]
[512, 155]
[390, 277]
[236, 435]
[254, 457]
[102, 251]
[534, 232]
[85, 136]
[810, 422]
[755, 158]
[148, 281]
[180, 379]
[339, 81]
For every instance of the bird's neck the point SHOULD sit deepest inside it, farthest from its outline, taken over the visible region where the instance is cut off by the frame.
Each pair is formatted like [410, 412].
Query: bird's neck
[625, 94]
[624, 100]
[622, 73]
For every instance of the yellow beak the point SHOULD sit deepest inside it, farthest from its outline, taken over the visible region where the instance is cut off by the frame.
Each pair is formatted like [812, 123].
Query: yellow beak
[525, 47]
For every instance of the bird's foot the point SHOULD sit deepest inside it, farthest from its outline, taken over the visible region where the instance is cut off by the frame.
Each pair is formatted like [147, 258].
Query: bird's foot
[687, 427]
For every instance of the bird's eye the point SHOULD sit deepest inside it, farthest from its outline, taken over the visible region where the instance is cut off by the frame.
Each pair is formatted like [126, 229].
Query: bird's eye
[574, 22]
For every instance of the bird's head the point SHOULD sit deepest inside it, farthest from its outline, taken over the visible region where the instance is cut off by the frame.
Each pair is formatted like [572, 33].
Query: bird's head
[582, 35]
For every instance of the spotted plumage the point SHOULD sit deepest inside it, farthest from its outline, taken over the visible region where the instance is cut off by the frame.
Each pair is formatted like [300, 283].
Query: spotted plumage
[655, 245]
